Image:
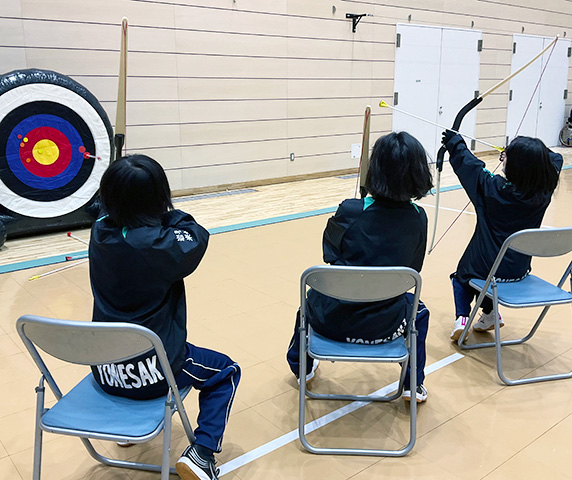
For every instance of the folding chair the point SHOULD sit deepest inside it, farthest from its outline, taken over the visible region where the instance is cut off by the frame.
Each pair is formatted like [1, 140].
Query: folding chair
[359, 284]
[530, 291]
[86, 411]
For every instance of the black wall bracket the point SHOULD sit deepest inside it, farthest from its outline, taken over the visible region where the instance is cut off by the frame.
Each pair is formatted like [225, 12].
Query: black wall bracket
[356, 17]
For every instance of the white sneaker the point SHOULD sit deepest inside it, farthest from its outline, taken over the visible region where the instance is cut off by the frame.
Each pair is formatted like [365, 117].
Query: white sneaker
[125, 444]
[420, 394]
[458, 327]
[310, 376]
[487, 322]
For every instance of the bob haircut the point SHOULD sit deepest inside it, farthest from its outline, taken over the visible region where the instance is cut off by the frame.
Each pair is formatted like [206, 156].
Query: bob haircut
[135, 191]
[528, 167]
[398, 168]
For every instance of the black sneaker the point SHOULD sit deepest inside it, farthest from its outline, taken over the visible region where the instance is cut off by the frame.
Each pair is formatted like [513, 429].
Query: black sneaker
[193, 466]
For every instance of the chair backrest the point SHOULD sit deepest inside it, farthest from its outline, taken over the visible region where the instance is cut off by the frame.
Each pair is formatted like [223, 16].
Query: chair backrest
[541, 242]
[87, 343]
[360, 284]
[90, 343]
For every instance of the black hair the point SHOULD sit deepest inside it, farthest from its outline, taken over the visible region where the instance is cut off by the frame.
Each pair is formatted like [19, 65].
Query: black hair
[135, 191]
[398, 168]
[528, 167]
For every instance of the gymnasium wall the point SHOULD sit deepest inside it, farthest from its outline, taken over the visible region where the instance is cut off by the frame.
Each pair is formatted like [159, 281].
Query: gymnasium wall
[222, 92]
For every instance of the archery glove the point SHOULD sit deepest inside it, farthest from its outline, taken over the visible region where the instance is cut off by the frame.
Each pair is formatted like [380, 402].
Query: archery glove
[447, 136]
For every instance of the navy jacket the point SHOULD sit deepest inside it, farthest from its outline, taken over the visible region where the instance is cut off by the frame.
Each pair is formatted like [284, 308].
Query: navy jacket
[137, 276]
[368, 232]
[501, 211]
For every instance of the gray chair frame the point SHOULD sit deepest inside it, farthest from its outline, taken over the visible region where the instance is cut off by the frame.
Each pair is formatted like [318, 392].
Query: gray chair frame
[549, 242]
[359, 284]
[92, 343]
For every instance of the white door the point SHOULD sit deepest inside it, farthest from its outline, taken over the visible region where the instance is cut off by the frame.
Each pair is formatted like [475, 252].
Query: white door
[537, 101]
[459, 78]
[552, 104]
[436, 73]
[416, 82]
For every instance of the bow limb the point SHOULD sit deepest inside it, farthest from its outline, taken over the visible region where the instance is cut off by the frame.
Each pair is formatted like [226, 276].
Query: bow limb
[441, 156]
[364, 159]
[437, 195]
[526, 65]
[120, 120]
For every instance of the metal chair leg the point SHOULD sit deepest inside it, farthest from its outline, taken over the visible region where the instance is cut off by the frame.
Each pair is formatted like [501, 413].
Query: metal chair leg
[169, 407]
[38, 436]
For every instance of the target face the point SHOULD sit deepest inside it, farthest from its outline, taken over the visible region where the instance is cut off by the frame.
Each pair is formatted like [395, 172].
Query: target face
[55, 145]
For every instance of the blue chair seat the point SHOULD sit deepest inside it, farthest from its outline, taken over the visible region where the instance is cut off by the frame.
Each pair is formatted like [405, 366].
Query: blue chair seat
[321, 346]
[88, 408]
[529, 292]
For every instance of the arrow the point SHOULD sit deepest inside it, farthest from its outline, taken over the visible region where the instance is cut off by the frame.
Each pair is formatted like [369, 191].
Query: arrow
[386, 105]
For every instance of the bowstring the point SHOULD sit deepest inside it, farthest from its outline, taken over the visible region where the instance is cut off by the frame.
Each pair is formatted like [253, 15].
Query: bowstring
[515, 134]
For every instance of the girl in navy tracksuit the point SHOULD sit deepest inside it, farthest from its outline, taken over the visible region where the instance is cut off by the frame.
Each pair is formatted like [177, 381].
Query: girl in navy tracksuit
[504, 205]
[384, 229]
[140, 251]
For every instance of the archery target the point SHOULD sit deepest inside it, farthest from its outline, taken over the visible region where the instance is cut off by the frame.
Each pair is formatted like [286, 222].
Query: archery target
[54, 147]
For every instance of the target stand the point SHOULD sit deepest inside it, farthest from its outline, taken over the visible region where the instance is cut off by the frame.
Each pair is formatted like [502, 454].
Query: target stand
[56, 142]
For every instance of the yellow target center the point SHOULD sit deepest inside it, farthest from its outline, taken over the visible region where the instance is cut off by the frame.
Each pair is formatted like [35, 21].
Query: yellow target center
[46, 152]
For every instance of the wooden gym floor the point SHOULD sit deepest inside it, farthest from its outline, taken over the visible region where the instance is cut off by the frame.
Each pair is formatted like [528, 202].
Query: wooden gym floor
[242, 301]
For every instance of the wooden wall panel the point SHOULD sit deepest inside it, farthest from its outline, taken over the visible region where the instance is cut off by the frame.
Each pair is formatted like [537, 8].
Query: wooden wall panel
[222, 91]
[219, 112]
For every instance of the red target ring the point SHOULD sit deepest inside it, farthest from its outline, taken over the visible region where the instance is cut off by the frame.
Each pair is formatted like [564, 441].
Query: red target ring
[45, 151]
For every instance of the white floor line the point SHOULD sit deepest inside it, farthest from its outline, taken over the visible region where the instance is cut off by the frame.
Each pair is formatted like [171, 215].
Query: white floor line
[320, 422]
[446, 208]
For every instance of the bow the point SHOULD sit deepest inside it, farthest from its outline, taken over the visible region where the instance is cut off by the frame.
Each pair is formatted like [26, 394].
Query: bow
[457, 124]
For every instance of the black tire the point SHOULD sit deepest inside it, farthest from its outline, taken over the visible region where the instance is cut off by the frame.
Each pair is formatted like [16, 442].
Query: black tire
[566, 135]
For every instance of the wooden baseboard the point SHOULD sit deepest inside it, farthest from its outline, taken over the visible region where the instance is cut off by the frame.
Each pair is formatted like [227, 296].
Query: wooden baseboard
[260, 183]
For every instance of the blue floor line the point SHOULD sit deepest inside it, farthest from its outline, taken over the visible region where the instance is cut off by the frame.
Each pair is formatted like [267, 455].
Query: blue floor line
[270, 221]
[41, 262]
[433, 191]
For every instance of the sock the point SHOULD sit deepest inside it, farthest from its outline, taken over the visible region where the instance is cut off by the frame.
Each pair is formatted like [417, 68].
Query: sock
[204, 451]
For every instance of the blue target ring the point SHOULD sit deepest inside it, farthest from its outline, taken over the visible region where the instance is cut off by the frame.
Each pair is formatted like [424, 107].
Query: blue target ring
[15, 161]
